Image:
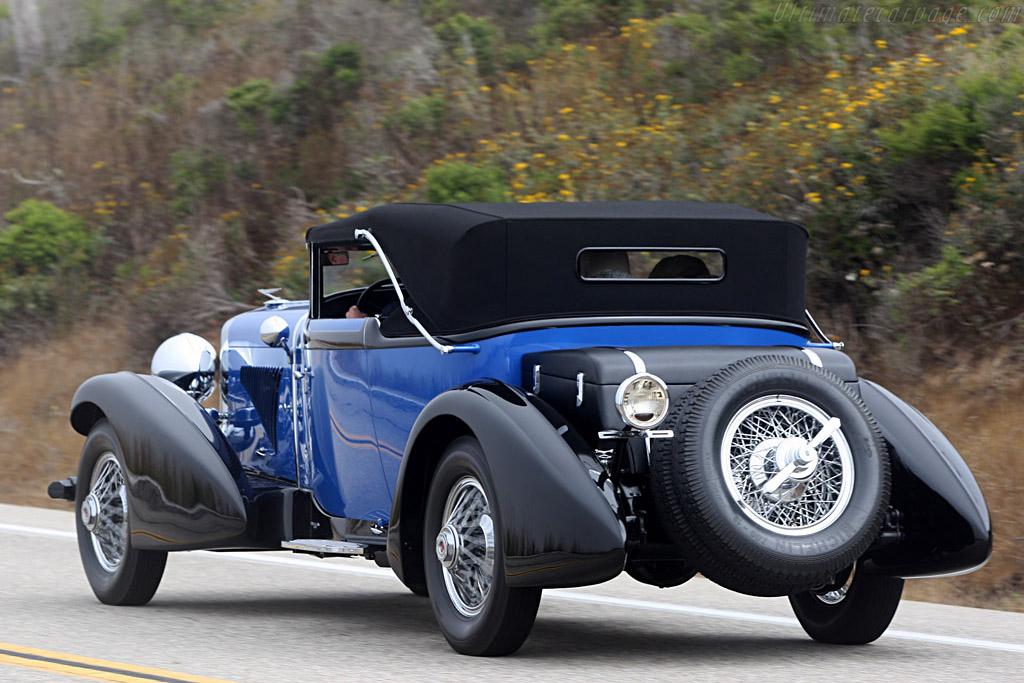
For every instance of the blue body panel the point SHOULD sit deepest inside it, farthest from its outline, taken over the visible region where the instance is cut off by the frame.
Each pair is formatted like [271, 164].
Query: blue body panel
[241, 346]
[354, 408]
[401, 381]
[346, 473]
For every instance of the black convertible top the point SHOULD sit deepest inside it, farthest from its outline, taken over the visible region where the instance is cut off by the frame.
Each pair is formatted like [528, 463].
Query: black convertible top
[472, 266]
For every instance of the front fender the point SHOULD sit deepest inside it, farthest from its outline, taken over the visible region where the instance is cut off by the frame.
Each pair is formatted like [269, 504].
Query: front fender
[186, 487]
[558, 528]
[945, 521]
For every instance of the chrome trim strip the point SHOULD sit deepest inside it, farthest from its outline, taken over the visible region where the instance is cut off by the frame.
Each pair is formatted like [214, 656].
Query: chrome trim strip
[633, 434]
[944, 575]
[813, 357]
[579, 389]
[638, 363]
[379, 341]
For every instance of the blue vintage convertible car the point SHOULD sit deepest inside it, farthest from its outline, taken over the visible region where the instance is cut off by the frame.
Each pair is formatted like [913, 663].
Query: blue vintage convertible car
[533, 396]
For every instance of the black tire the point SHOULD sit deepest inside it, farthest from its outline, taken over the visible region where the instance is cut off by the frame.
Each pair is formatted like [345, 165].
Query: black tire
[660, 573]
[727, 525]
[854, 615]
[499, 621]
[117, 573]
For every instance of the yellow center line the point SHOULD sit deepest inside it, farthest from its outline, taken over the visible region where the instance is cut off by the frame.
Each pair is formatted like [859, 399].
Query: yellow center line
[91, 668]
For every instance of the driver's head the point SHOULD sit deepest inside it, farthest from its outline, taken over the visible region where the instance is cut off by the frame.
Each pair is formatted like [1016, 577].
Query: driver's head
[336, 257]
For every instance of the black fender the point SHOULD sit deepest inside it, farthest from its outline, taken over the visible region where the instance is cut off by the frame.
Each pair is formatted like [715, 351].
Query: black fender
[945, 522]
[559, 529]
[186, 487]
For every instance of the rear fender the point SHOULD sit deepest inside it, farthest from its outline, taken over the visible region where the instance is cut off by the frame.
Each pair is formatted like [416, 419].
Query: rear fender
[186, 487]
[944, 519]
[558, 528]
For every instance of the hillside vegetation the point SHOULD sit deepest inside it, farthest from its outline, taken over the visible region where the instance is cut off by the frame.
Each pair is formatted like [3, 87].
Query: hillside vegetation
[161, 159]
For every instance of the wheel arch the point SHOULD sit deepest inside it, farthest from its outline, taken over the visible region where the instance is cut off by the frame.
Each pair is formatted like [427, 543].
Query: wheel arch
[84, 415]
[944, 519]
[417, 471]
[185, 485]
[558, 527]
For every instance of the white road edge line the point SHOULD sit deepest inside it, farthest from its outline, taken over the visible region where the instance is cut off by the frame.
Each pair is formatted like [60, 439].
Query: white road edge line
[569, 595]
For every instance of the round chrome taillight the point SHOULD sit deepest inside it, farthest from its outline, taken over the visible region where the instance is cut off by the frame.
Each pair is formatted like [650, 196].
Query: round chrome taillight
[642, 400]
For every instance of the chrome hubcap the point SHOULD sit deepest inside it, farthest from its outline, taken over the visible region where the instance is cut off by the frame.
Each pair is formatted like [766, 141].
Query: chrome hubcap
[105, 512]
[787, 465]
[837, 595]
[448, 547]
[465, 546]
[90, 511]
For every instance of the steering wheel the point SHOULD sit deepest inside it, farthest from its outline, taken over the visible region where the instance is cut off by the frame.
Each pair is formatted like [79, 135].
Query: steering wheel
[376, 296]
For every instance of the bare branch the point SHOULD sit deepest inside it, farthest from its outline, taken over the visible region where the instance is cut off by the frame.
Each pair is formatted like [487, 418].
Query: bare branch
[13, 172]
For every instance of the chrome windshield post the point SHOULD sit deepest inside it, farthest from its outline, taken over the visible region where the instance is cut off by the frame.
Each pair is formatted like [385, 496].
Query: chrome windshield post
[443, 348]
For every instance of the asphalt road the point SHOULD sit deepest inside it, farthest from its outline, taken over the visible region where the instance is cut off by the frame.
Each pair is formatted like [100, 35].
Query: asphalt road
[280, 617]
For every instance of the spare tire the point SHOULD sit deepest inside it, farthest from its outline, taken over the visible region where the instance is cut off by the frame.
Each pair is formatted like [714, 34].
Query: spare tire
[749, 495]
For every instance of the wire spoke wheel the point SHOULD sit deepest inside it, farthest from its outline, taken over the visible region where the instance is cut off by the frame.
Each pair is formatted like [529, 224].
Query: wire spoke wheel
[105, 512]
[118, 573]
[477, 611]
[773, 472]
[776, 479]
[465, 546]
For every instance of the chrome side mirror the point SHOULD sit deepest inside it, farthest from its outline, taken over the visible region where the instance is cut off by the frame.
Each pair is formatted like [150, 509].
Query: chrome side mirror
[189, 361]
[274, 331]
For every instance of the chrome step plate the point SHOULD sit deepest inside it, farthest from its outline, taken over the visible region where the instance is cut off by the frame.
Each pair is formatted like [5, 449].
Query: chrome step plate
[325, 547]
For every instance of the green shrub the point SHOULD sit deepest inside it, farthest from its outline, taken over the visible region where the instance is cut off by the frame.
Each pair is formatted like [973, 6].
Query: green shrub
[941, 130]
[421, 115]
[195, 173]
[100, 39]
[477, 33]
[458, 181]
[323, 82]
[343, 64]
[253, 102]
[567, 19]
[737, 43]
[196, 14]
[934, 288]
[44, 253]
[175, 91]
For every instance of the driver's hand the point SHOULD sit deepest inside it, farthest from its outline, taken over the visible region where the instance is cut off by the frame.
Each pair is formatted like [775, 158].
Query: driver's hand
[354, 312]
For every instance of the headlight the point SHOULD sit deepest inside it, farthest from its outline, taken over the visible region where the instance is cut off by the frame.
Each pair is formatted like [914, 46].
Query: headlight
[642, 401]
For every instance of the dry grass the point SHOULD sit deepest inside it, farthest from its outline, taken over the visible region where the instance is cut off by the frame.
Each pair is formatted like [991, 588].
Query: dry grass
[37, 443]
[976, 404]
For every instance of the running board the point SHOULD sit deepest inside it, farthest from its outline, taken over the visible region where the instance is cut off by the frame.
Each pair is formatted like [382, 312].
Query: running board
[322, 546]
